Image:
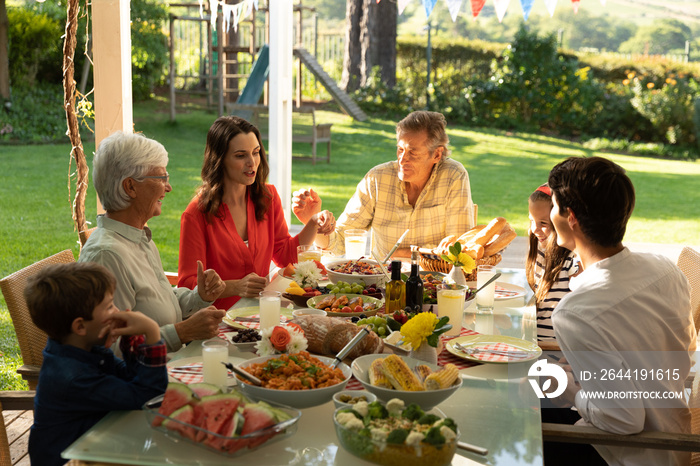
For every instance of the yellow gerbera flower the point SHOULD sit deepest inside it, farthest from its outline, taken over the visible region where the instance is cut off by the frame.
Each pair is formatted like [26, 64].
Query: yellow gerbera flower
[419, 328]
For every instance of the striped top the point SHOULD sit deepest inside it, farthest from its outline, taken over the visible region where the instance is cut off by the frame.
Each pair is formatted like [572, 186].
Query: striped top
[559, 289]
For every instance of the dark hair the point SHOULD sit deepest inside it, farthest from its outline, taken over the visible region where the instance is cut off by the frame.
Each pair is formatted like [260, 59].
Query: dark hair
[61, 293]
[433, 123]
[600, 194]
[554, 255]
[211, 192]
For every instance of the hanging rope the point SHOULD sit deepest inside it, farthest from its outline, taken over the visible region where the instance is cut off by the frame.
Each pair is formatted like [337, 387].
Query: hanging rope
[69, 98]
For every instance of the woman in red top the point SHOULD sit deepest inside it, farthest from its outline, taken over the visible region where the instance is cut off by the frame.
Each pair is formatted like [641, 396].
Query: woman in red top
[235, 224]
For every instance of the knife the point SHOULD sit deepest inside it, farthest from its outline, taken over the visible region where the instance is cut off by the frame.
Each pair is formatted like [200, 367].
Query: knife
[396, 246]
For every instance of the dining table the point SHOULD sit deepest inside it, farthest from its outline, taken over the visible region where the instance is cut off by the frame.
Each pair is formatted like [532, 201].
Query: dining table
[495, 408]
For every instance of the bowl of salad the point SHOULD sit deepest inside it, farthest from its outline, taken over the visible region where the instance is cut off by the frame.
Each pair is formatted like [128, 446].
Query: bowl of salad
[364, 271]
[394, 434]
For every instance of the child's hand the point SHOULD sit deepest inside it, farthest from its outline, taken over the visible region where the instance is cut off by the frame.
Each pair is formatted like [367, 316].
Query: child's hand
[131, 323]
[209, 283]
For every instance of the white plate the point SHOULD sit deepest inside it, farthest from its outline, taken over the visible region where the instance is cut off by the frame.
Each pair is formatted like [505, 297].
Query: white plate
[475, 341]
[504, 290]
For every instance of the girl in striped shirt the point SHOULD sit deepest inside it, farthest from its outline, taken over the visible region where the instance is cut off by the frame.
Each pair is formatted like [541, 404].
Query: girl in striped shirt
[548, 265]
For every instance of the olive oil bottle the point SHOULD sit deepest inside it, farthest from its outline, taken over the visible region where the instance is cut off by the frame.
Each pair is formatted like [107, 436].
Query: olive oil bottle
[395, 290]
[414, 284]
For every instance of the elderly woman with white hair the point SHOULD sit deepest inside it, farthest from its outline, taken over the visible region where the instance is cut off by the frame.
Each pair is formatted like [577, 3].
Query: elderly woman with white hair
[130, 177]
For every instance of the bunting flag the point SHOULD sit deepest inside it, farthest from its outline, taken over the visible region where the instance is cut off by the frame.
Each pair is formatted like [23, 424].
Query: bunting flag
[232, 14]
[402, 5]
[527, 7]
[575, 4]
[501, 6]
[477, 5]
[453, 6]
[429, 5]
[551, 5]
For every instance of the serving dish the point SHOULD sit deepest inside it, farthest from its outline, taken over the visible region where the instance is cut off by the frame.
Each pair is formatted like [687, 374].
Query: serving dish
[353, 396]
[245, 346]
[380, 451]
[494, 342]
[177, 430]
[306, 311]
[296, 398]
[377, 278]
[425, 399]
[378, 303]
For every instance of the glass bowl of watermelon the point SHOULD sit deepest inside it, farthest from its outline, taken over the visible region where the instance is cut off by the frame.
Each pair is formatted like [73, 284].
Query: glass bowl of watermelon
[227, 423]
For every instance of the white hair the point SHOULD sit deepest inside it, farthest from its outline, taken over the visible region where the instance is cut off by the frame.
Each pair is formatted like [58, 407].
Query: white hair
[120, 156]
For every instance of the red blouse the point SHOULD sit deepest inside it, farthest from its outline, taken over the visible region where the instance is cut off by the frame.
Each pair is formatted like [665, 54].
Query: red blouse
[219, 246]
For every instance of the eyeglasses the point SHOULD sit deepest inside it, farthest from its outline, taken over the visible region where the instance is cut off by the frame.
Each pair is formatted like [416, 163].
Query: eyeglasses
[164, 178]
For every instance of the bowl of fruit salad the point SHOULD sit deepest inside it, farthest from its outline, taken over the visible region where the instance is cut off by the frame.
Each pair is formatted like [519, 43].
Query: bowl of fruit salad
[355, 271]
[345, 305]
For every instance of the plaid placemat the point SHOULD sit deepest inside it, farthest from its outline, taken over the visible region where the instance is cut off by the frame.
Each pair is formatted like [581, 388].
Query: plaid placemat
[224, 328]
[495, 357]
[503, 293]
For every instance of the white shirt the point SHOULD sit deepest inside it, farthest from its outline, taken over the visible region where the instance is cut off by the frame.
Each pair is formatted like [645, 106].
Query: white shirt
[630, 311]
[380, 202]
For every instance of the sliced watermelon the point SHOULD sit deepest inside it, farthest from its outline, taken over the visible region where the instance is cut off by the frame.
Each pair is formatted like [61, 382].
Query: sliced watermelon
[234, 429]
[204, 389]
[176, 396]
[218, 409]
[257, 417]
[183, 414]
[198, 419]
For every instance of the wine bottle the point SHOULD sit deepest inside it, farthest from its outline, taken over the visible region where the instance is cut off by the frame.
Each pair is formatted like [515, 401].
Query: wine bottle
[414, 284]
[395, 289]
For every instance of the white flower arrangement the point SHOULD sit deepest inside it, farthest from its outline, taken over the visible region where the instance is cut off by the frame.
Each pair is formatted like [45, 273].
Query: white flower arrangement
[293, 336]
[306, 274]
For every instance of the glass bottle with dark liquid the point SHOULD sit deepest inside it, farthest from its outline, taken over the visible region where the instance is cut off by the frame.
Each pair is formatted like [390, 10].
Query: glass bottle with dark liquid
[414, 284]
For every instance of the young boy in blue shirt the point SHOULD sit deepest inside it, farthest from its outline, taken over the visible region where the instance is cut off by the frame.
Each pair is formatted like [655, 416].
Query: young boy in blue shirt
[81, 380]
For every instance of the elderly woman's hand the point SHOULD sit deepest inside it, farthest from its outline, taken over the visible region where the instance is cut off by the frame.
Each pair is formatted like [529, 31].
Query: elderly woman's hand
[325, 221]
[201, 325]
[209, 284]
[305, 203]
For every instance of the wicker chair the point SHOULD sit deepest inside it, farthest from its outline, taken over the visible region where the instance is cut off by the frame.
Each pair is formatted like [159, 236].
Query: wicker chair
[31, 340]
[689, 263]
[12, 401]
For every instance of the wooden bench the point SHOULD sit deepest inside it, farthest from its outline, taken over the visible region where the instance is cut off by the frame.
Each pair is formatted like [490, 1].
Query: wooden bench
[305, 129]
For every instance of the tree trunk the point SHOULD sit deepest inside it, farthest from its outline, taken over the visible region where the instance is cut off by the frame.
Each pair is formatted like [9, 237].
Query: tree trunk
[350, 79]
[383, 19]
[367, 41]
[4, 53]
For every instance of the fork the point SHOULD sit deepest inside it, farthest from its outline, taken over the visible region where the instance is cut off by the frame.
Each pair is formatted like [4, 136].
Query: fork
[471, 351]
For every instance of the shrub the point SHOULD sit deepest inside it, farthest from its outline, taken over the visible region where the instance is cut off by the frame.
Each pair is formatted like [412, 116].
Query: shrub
[34, 41]
[149, 47]
[36, 115]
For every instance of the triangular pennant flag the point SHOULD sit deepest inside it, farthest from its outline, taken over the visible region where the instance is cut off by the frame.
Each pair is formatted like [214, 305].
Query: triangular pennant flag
[214, 8]
[227, 12]
[551, 5]
[575, 4]
[402, 5]
[237, 15]
[201, 8]
[477, 5]
[429, 5]
[527, 7]
[453, 6]
[501, 7]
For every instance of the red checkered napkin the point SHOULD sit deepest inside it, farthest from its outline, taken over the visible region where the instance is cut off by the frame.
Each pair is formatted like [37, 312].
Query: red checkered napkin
[193, 376]
[496, 357]
[503, 293]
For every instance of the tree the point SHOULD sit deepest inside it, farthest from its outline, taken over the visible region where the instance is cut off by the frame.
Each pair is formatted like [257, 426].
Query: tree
[660, 37]
[4, 59]
[370, 40]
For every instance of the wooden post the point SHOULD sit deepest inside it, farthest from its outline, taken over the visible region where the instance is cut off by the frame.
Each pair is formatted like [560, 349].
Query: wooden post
[111, 35]
[300, 43]
[280, 143]
[171, 47]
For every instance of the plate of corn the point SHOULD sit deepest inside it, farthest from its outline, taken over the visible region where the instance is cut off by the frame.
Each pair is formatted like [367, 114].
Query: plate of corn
[412, 380]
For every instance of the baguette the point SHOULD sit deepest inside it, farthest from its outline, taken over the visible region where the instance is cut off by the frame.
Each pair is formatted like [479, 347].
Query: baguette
[500, 241]
[466, 237]
[492, 229]
[476, 251]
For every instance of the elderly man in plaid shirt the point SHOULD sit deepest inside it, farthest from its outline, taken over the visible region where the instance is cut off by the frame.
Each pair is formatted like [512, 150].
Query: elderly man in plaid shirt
[423, 191]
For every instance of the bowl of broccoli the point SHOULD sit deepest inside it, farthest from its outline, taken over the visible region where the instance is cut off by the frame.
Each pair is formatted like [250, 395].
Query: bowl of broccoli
[394, 434]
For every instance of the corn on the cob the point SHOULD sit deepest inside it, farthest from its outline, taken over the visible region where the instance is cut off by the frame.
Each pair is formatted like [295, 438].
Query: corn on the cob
[400, 375]
[422, 371]
[443, 378]
[376, 374]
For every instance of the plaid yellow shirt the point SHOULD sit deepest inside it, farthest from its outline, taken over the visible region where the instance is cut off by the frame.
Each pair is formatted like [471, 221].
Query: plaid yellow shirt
[380, 202]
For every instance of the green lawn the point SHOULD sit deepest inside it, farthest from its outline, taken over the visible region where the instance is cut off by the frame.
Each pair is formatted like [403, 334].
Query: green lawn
[35, 218]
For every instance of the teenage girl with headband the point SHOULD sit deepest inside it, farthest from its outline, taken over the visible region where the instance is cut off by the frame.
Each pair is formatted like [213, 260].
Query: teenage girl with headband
[548, 265]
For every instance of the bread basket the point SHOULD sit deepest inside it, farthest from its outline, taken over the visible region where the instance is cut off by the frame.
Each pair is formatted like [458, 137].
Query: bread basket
[432, 262]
